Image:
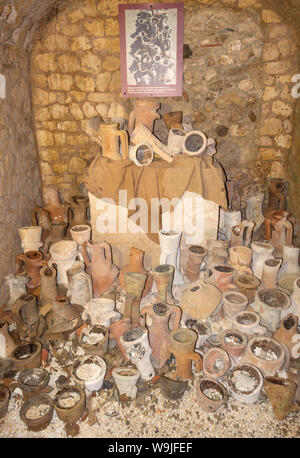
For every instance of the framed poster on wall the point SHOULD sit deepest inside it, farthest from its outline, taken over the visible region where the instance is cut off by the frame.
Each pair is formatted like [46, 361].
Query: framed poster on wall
[151, 49]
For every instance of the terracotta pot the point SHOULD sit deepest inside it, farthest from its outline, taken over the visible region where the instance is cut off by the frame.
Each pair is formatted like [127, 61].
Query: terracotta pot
[234, 342]
[172, 389]
[48, 292]
[159, 330]
[98, 260]
[182, 344]
[169, 242]
[194, 143]
[290, 269]
[33, 261]
[136, 344]
[270, 272]
[245, 383]
[141, 154]
[57, 232]
[196, 255]
[241, 234]
[126, 379]
[173, 120]
[163, 276]
[136, 265]
[80, 234]
[247, 284]
[202, 329]
[270, 303]
[54, 206]
[89, 372]
[42, 420]
[17, 287]
[89, 340]
[279, 230]
[142, 134]
[199, 300]
[26, 315]
[62, 317]
[175, 140]
[234, 302]
[287, 330]
[27, 356]
[115, 332]
[69, 403]
[216, 363]
[254, 210]
[80, 284]
[7, 344]
[281, 393]
[211, 395]
[4, 400]
[100, 311]
[261, 253]
[217, 253]
[134, 286]
[259, 352]
[110, 138]
[240, 259]
[33, 381]
[144, 113]
[248, 323]
[222, 277]
[79, 210]
[31, 238]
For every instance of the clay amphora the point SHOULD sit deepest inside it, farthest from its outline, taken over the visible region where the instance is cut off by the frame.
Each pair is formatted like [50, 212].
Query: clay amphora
[142, 154]
[31, 238]
[270, 272]
[54, 206]
[175, 140]
[279, 230]
[26, 315]
[169, 242]
[196, 255]
[17, 287]
[136, 265]
[206, 401]
[80, 284]
[228, 219]
[41, 217]
[281, 393]
[260, 351]
[145, 112]
[296, 298]
[126, 379]
[182, 344]
[241, 234]
[277, 189]
[217, 253]
[194, 143]
[270, 304]
[233, 303]
[100, 311]
[287, 330]
[248, 323]
[240, 258]
[216, 363]
[254, 211]
[199, 300]
[222, 277]
[116, 330]
[33, 261]
[63, 255]
[62, 317]
[261, 253]
[7, 344]
[136, 344]
[159, 330]
[79, 210]
[246, 284]
[163, 277]
[134, 286]
[57, 232]
[142, 134]
[173, 120]
[48, 292]
[98, 261]
[110, 137]
[290, 269]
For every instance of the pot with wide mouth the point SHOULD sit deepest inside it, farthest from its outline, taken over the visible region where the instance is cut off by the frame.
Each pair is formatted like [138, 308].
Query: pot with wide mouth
[33, 381]
[69, 403]
[89, 372]
[211, 394]
[37, 412]
[245, 383]
[265, 353]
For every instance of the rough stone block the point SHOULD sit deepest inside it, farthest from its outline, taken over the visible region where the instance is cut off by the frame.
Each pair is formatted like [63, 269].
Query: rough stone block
[69, 126]
[77, 165]
[76, 111]
[270, 17]
[111, 45]
[85, 83]
[111, 26]
[90, 62]
[271, 126]
[58, 111]
[95, 27]
[44, 138]
[102, 82]
[46, 62]
[81, 43]
[282, 109]
[56, 42]
[111, 63]
[59, 82]
[68, 63]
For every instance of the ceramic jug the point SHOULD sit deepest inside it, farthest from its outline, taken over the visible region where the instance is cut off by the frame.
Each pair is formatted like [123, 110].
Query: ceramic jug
[17, 287]
[196, 254]
[145, 112]
[56, 232]
[7, 344]
[79, 210]
[136, 344]
[271, 304]
[182, 345]
[136, 265]
[134, 284]
[270, 273]
[33, 261]
[290, 269]
[110, 137]
[169, 242]
[31, 238]
[54, 206]
[199, 300]
[142, 134]
[279, 230]
[63, 317]
[240, 258]
[159, 330]
[241, 234]
[80, 284]
[48, 291]
[217, 253]
[261, 253]
[63, 255]
[228, 219]
[163, 276]
[81, 234]
[254, 211]
[98, 261]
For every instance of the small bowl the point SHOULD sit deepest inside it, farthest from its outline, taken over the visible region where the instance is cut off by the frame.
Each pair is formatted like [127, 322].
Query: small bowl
[37, 412]
[69, 403]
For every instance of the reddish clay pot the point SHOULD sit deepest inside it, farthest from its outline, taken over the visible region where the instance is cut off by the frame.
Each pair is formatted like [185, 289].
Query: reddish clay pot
[48, 291]
[163, 276]
[116, 330]
[234, 342]
[27, 356]
[287, 330]
[270, 273]
[159, 331]
[216, 363]
[33, 261]
[136, 265]
[143, 113]
[63, 317]
[98, 260]
[233, 303]
[222, 277]
[247, 284]
[257, 353]
[196, 255]
[54, 206]
[182, 344]
[240, 235]
[207, 401]
[69, 403]
[79, 210]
